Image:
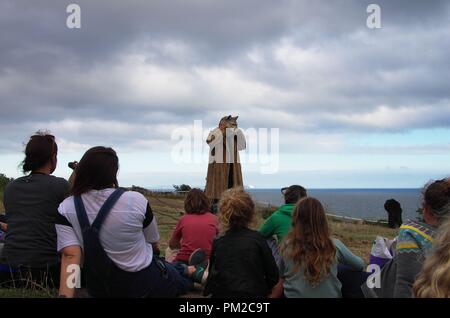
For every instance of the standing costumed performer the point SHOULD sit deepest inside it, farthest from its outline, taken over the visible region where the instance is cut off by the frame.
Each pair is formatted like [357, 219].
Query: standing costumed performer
[224, 168]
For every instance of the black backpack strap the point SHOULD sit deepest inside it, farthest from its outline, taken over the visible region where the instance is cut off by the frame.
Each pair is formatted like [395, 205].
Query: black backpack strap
[81, 214]
[106, 208]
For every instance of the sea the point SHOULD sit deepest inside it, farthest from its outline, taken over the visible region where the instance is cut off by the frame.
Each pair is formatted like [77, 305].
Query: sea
[365, 204]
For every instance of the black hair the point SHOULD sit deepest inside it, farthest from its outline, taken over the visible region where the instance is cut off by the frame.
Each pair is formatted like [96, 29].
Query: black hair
[293, 193]
[39, 150]
[97, 170]
[393, 205]
[394, 210]
[436, 196]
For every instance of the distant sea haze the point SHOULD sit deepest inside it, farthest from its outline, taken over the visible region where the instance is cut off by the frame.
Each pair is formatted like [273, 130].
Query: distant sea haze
[358, 203]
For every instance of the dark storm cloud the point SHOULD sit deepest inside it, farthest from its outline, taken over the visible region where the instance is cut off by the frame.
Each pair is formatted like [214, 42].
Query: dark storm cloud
[300, 65]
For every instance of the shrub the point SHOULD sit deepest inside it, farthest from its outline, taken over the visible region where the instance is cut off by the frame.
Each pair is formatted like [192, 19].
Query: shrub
[182, 188]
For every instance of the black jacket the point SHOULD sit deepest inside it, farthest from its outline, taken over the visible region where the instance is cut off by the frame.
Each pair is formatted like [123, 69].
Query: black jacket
[241, 265]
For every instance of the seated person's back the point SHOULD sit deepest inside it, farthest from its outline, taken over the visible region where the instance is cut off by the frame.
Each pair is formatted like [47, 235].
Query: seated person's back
[113, 233]
[195, 230]
[280, 222]
[126, 235]
[414, 242]
[31, 204]
[241, 263]
[310, 256]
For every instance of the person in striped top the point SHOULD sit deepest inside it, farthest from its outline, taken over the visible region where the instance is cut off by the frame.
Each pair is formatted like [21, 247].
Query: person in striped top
[415, 238]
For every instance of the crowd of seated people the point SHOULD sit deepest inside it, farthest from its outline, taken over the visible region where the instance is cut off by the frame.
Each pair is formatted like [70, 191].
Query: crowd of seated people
[53, 228]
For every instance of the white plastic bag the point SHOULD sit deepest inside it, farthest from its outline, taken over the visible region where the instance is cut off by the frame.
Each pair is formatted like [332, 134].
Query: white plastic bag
[382, 251]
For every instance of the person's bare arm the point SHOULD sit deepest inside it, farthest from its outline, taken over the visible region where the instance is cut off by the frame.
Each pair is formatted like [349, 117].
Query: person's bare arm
[3, 227]
[174, 243]
[156, 248]
[175, 239]
[70, 255]
[277, 290]
[72, 165]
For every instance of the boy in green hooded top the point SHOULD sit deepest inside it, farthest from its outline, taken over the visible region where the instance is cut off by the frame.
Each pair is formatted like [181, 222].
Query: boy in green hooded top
[280, 222]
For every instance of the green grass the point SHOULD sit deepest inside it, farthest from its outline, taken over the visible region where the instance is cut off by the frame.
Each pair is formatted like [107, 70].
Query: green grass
[359, 237]
[27, 293]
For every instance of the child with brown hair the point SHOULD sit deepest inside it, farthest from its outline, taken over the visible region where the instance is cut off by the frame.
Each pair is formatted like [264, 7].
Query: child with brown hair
[241, 263]
[196, 230]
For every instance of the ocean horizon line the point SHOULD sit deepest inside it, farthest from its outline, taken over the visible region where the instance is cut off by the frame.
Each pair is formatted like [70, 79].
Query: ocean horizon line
[310, 189]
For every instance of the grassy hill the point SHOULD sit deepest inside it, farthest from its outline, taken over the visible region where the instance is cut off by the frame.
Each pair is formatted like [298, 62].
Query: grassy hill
[168, 208]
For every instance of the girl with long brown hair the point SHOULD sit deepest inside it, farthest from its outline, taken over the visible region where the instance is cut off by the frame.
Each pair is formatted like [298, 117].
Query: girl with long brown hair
[311, 256]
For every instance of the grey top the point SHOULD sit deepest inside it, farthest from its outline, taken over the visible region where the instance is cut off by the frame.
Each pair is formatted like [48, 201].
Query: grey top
[31, 205]
[296, 286]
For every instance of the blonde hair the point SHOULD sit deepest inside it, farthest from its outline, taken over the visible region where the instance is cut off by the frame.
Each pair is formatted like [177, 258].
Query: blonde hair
[236, 209]
[434, 279]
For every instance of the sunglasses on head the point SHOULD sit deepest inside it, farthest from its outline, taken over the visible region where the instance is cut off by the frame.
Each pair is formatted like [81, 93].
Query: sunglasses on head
[51, 137]
[48, 137]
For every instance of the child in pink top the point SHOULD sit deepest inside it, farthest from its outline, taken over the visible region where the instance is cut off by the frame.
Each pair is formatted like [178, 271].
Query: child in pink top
[195, 230]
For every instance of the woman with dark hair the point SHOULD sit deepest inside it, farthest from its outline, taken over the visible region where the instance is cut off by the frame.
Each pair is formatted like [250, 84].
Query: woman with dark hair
[116, 233]
[31, 204]
[195, 230]
[311, 256]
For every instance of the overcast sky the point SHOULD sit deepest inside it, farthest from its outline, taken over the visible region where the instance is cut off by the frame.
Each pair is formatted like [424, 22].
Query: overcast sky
[355, 107]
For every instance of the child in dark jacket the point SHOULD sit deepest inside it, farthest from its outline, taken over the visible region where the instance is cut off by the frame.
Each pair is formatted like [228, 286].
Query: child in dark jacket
[241, 263]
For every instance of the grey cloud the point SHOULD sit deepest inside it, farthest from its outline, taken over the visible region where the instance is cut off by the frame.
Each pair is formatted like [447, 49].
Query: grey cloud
[49, 73]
